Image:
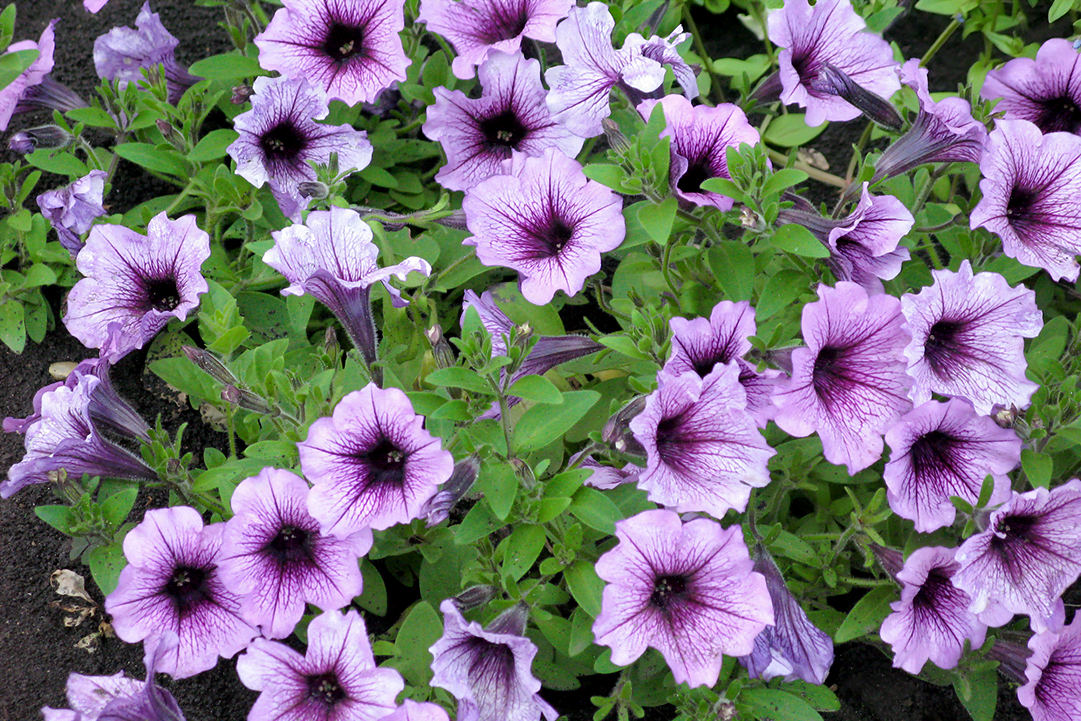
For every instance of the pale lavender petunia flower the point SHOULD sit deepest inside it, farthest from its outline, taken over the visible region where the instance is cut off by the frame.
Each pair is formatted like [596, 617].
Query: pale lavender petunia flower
[792, 647]
[94, 5]
[479, 134]
[371, 464]
[333, 258]
[701, 136]
[351, 49]
[968, 336]
[1045, 91]
[410, 710]
[279, 137]
[489, 669]
[1028, 555]
[1053, 673]
[1032, 196]
[829, 33]
[932, 620]
[864, 245]
[479, 28]
[73, 208]
[941, 450]
[124, 53]
[335, 680]
[703, 451]
[12, 94]
[547, 221]
[849, 383]
[275, 557]
[686, 589]
[134, 284]
[172, 583]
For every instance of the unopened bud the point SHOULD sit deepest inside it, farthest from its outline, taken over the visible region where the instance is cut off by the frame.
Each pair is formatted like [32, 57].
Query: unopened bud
[832, 80]
[46, 136]
[437, 508]
[474, 597]
[209, 364]
[891, 560]
[1005, 417]
[617, 431]
[751, 220]
[330, 343]
[615, 137]
[245, 399]
[455, 220]
[441, 350]
[313, 189]
[241, 94]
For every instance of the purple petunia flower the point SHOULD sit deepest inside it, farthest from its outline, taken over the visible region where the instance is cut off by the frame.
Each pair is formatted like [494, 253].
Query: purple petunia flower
[1045, 91]
[943, 132]
[123, 53]
[864, 245]
[172, 583]
[968, 336]
[792, 647]
[932, 620]
[703, 451]
[279, 137]
[94, 5]
[828, 34]
[580, 88]
[371, 464]
[12, 94]
[489, 669]
[336, 680]
[547, 221]
[478, 135]
[276, 559]
[1053, 672]
[72, 209]
[941, 450]
[332, 257]
[479, 28]
[135, 283]
[1025, 559]
[1032, 196]
[701, 137]
[119, 698]
[410, 710]
[686, 589]
[849, 383]
[349, 48]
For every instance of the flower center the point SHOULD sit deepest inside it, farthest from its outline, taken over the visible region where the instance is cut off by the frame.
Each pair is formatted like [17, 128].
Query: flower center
[282, 142]
[932, 456]
[325, 689]
[941, 348]
[386, 463]
[187, 587]
[162, 294]
[936, 591]
[667, 591]
[697, 173]
[344, 42]
[1057, 115]
[1017, 208]
[504, 23]
[504, 130]
[290, 544]
[828, 374]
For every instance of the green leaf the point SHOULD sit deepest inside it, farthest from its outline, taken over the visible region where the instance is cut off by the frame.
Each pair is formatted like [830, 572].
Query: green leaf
[867, 615]
[94, 117]
[458, 377]
[1058, 9]
[280, 452]
[781, 291]
[419, 631]
[781, 180]
[116, 507]
[978, 691]
[213, 145]
[231, 66]
[726, 187]
[60, 163]
[152, 158]
[657, 219]
[182, 374]
[540, 425]
[791, 130]
[374, 598]
[13, 325]
[1037, 467]
[820, 697]
[777, 705]
[623, 344]
[378, 176]
[59, 517]
[478, 523]
[732, 263]
[609, 175]
[524, 546]
[7, 26]
[794, 238]
[498, 481]
[106, 563]
[12, 65]
[585, 585]
[536, 389]
[595, 509]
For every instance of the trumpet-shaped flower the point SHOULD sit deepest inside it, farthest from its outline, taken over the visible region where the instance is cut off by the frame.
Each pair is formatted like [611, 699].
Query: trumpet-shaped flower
[479, 28]
[849, 383]
[968, 336]
[275, 557]
[335, 680]
[72, 209]
[1032, 196]
[686, 589]
[279, 138]
[349, 48]
[371, 464]
[123, 53]
[1045, 91]
[134, 284]
[1053, 672]
[941, 450]
[13, 92]
[478, 135]
[547, 221]
[172, 583]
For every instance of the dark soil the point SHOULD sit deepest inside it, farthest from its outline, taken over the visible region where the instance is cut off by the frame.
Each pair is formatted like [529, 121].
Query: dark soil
[37, 649]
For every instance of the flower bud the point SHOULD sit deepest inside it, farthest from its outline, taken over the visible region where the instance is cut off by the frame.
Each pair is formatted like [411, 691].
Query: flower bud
[615, 137]
[45, 136]
[833, 81]
[241, 94]
[441, 350]
[617, 431]
[209, 364]
[313, 189]
[474, 597]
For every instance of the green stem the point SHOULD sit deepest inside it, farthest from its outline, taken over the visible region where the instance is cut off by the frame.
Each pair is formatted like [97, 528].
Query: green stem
[819, 175]
[449, 268]
[839, 547]
[940, 41]
[700, 48]
[955, 220]
[604, 303]
[180, 198]
[666, 269]
[865, 582]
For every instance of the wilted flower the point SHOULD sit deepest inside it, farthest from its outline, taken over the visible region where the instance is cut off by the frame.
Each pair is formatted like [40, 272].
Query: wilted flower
[371, 464]
[72, 209]
[1053, 691]
[277, 560]
[136, 283]
[336, 679]
[832, 80]
[479, 28]
[123, 53]
[489, 669]
[478, 135]
[547, 221]
[968, 336]
[941, 450]
[686, 589]
[349, 48]
[172, 583]
[279, 138]
[703, 451]
[1032, 196]
[437, 508]
[1045, 91]
[1026, 558]
[932, 620]
[849, 383]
